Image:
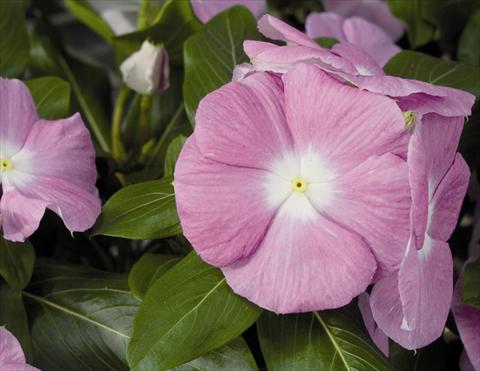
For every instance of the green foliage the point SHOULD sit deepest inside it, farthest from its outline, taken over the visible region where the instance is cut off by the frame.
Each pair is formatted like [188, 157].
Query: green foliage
[51, 96]
[85, 13]
[16, 262]
[173, 151]
[14, 45]
[468, 50]
[326, 340]
[471, 284]
[212, 54]
[141, 211]
[192, 307]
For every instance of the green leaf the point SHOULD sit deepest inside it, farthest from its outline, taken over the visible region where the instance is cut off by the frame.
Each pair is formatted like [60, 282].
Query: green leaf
[174, 15]
[326, 42]
[211, 55]
[90, 84]
[14, 45]
[51, 95]
[173, 151]
[81, 319]
[419, 31]
[147, 270]
[192, 307]
[140, 211]
[16, 262]
[419, 66]
[468, 50]
[14, 317]
[85, 13]
[327, 340]
[471, 284]
[234, 356]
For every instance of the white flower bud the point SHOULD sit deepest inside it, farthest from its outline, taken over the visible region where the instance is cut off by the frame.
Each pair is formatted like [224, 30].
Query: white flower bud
[147, 70]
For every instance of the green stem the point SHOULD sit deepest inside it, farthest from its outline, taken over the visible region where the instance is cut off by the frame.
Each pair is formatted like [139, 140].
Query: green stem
[144, 120]
[143, 15]
[118, 150]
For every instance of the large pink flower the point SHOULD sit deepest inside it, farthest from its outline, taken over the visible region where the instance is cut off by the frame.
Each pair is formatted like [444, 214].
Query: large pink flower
[207, 9]
[355, 30]
[11, 354]
[374, 11]
[295, 188]
[411, 304]
[44, 164]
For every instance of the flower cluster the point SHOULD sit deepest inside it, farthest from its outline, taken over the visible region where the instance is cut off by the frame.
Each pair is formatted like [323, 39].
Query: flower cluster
[315, 175]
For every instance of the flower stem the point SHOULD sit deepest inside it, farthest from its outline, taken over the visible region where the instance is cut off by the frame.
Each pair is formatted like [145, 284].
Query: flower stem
[118, 150]
[144, 120]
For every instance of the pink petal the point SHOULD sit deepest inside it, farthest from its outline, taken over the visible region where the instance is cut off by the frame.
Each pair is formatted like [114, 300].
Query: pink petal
[20, 216]
[275, 29]
[17, 115]
[207, 9]
[10, 349]
[342, 123]
[370, 38]
[411, 307]
[447, 200]
[377, 190]
[376, 334]
[374, 11]
[464, 363]
[325, 24]
[303, 266]
[364, 64]
[243, 123]
[467, 319]
[18, 367]
[222, 208]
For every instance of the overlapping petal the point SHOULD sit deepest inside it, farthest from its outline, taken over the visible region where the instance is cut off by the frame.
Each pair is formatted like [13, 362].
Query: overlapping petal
[207, 9]
[375, 332]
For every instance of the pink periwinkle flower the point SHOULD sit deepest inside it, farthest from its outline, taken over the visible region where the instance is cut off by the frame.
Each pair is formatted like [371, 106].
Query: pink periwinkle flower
[44, 164]
[374, 11]
[294, 186]
[355, 30]
[375, 332]
[11, 353]
[207, 9]
[467, 319]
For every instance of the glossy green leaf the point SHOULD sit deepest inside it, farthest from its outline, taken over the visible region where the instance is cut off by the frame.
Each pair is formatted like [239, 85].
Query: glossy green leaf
[419, 66]
[141, 211]
[14, 45]
[234, 356]
[14, 317]
[173, 151]
[90, 84]
[85, 13]
[192, 307]
[468, 50]
[419, 31]
[326, 340]
[471, 284]
[81, 319]
[174, 15]
[147, 270]
[51, 96]
[212, 54]
[16, 262]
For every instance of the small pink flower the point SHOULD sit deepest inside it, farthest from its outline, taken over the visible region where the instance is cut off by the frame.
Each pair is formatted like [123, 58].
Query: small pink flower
[467, 319]
[294, 186]
[355, 30]
[207, 9]
[411, 304]
[11, 354]
[44, 164]
[374, 11]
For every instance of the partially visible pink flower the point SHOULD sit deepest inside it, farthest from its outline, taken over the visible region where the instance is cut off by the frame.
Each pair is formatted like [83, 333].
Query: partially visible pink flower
[374, 11]
[375, 332]
[411, 304]
[207, 9]
[11, 354]
[44, 164]
[467, 319]
[294, 186]
[355, 30]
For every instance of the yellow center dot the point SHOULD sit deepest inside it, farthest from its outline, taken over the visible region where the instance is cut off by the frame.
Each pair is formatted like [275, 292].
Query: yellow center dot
[5, 164]
[299, 184]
